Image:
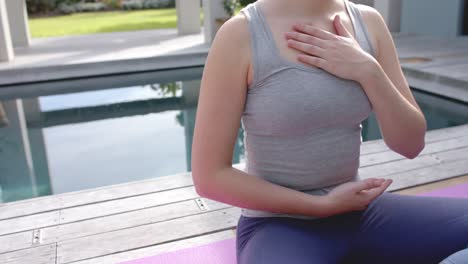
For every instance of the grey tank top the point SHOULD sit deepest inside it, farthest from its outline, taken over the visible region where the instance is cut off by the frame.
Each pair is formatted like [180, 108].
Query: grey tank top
[302, 125]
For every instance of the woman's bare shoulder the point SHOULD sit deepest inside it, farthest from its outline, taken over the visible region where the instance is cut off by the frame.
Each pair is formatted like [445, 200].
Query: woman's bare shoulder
[375, 24]
[235, 31]
[233, 39]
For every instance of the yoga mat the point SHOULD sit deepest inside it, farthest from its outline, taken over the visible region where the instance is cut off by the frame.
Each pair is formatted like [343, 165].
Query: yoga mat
[223, 252]
[220, 252]
[458, 191]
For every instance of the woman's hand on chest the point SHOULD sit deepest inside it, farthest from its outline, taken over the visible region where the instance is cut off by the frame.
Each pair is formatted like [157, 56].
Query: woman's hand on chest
[341, 54]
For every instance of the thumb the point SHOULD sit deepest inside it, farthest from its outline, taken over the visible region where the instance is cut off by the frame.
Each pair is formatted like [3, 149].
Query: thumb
[340, 28]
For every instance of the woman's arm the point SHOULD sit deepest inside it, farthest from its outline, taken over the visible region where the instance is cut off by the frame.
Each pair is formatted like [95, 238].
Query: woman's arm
[220, 106]
[400, 118]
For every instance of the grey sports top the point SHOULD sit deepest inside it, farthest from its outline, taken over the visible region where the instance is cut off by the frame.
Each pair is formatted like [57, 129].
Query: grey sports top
[302, 125]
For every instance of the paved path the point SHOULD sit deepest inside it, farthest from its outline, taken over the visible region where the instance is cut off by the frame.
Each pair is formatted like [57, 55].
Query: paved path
[429, 63]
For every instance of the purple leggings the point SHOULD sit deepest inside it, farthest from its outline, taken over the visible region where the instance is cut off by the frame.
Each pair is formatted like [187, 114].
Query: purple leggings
[395, 228]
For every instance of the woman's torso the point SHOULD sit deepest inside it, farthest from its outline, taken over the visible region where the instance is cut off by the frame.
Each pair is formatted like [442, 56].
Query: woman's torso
[302, 125]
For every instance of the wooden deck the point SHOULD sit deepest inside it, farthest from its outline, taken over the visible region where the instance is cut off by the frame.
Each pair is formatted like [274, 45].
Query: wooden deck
[133, 220]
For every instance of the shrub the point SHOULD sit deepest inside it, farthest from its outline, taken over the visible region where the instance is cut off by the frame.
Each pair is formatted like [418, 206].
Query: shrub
[89, 7]
[158, 3]
[114, 4]
[40, 6]
[132, 4]
[230, 6]
[246, 2]
[63, 6]
[66, 8]
[71, 6]
[139, 4]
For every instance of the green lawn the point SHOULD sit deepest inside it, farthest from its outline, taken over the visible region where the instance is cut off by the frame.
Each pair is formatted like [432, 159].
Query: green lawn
[96, 22]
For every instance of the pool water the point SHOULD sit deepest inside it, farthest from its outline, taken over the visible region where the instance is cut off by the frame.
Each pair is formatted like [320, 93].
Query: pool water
[122, 131]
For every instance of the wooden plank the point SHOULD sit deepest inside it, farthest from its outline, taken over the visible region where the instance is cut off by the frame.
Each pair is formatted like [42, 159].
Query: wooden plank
[146, 235]
[453, 160]
[388, 156]
[411, 165]
[106, 193]
[378, 145]
[123, 190]
[428, 175]
[161, 248]
[127, 220]
[28, 207]
[44, 254]
[435, 186]
[54, 202]
[126, 204]
[421, 170]
[15, 241]
[28, 222]
[459, 154]
[397, 166]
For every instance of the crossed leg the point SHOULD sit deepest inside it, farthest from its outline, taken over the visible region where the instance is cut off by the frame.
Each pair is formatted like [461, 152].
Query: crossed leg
[393, 229]
[275, 240]
[402, 229]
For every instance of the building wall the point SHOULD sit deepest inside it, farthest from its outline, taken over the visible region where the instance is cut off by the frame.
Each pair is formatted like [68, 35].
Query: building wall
[433, 17]
[389, 9]
[465, 18]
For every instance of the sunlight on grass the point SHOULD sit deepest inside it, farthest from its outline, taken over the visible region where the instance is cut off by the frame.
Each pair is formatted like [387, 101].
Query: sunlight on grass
[99, 22]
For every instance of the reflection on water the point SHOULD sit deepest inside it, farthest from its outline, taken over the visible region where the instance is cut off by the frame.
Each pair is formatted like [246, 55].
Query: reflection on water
[66, 142]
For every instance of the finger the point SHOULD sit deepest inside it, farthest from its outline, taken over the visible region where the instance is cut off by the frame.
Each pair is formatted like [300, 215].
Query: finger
[374, 193]
[305, 38]
[367, 184]
[314, 31]
[376, 182]
[306, 48]
[312, 60]
[340, 28]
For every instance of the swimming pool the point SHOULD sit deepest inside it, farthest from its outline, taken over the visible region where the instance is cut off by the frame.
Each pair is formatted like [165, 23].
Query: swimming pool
[77, 134]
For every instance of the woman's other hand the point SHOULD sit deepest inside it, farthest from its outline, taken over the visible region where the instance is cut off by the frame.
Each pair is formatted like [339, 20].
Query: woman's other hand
[341, 54]
[355, 195]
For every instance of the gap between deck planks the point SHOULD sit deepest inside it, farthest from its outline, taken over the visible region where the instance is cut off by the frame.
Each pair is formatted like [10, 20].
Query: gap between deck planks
[434, 186]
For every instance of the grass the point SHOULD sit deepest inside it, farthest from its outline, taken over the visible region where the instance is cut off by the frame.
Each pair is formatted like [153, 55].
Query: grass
[99, 22]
